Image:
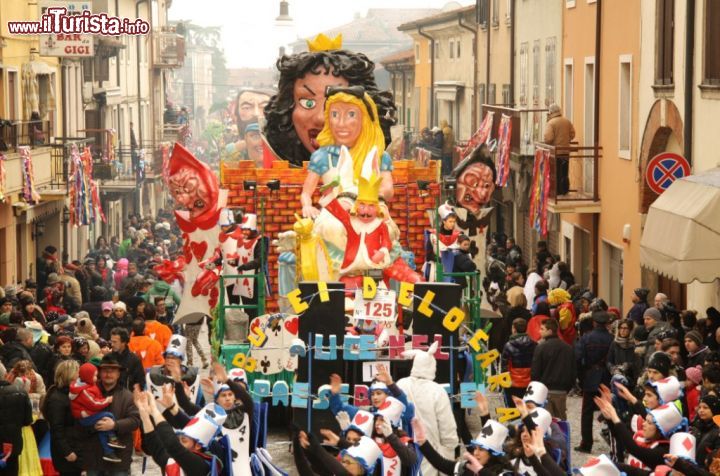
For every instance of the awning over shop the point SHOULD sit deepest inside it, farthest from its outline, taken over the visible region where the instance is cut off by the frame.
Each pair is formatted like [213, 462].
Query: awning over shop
[681, 239]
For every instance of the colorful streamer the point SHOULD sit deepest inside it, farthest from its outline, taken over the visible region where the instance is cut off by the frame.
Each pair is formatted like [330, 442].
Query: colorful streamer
[540, 191]
[30, 194]
[504, 138]
[481, 136]
[84, 197]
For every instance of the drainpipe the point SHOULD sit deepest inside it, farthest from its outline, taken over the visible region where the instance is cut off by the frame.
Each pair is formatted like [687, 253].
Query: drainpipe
[475, 75]
[117, 61]
[596, 141]
[404, 94]
[137, 53]
[432, 74]
[512, 53]
[689, 80]
[137, 204]
[487, 50]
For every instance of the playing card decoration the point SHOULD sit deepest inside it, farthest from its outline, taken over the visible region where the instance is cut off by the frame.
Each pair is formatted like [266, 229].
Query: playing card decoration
[491, 437]
[536, 393]
[273, 355]
[600, 466]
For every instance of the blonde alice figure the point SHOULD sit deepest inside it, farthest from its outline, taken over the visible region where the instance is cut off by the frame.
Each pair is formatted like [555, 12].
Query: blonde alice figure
[351, 120]
[351, 132]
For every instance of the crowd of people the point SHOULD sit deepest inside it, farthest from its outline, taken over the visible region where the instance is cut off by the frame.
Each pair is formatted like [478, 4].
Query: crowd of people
[79, 340]
[92, 363]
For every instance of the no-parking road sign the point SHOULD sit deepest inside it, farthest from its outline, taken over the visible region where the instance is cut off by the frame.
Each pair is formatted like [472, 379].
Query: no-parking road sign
[664, 169]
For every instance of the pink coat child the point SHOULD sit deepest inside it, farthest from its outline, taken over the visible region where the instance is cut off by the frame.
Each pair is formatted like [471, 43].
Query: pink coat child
[87, 405]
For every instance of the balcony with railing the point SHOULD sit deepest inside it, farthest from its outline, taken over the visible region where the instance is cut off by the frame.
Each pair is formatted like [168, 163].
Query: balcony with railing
[169, 49]
[33, 134]
[573, 178]
[527, 126]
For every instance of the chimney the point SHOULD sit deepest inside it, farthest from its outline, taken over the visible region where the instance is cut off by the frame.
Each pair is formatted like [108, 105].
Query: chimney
[284, 12]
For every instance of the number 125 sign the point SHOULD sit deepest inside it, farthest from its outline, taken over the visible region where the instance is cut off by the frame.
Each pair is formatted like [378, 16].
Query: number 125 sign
[380, 308]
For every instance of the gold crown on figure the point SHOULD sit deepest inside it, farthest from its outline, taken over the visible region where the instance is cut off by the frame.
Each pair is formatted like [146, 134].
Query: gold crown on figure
[323, 43]
[369, 189]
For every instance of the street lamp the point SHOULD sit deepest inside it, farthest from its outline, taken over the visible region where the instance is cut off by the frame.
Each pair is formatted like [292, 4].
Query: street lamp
[65, 215]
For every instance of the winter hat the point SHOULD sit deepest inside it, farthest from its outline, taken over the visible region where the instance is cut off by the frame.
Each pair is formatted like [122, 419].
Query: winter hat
[491, 438]
[237, 375]
[600, 466]
[176, 347]
[694, 374]
[366, 452]
[362, 422]
[219, 387]
[668, 419]
[391, 410]
[667, 389]
[542, 419]
[82, 315]
[53, 278]
[87, 373]
[642, 293]
[653, 313]
[107, 306]
[713, 402]
[376, 385]
[695, 336]
[682, 445]
[120, 305]
[424, 364]
[536, 393]
[661, 362]
[205, 425]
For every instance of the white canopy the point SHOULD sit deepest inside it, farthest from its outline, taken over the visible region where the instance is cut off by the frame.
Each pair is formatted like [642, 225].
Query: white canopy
[681, 239]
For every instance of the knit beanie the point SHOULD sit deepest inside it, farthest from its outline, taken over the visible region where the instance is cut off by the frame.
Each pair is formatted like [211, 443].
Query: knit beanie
[87, 373]
[695, 336]
[661, 362]
[713, 402]
[654, 313]
[694, 375]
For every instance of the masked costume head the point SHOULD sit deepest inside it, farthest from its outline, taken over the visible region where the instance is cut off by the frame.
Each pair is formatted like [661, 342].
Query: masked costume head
[476, 178]
[294, 139]
[194, 187]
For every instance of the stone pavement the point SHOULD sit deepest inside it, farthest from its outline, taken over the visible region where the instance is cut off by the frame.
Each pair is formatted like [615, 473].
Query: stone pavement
[279, 446]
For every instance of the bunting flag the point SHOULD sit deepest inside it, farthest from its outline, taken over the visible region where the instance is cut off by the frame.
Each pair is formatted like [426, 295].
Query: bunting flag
[3, 177]
[423, 157]
[30, 195]
[481, 136]
[84, 197]
[540, 191]
[503, 156]
[165, 147]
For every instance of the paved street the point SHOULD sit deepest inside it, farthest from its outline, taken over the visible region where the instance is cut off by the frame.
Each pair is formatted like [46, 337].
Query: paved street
[279, 446]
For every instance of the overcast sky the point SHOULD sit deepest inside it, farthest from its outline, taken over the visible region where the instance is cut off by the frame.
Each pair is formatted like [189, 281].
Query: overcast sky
[250, 36]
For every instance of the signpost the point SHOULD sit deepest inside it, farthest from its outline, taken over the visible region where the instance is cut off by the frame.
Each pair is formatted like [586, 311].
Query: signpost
[664, 169]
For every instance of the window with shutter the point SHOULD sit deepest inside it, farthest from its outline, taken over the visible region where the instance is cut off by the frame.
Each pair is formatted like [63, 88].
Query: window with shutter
[711, 55]
[664, 42]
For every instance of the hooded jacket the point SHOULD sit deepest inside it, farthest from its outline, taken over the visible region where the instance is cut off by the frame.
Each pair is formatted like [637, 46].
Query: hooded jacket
[432, 405]
[161, 289]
